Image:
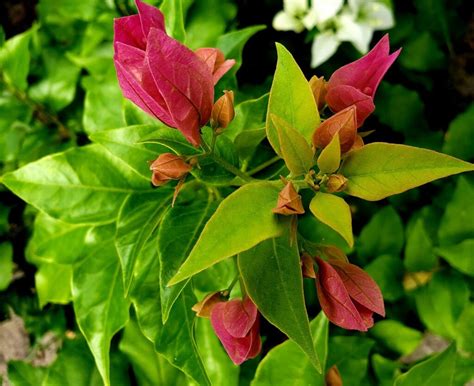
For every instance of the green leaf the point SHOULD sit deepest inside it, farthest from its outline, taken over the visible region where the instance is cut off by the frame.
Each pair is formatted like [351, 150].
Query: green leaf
[149, 367]
[139, 216]
[373, 243]
[385, 370]
[465, 333]
[88, 185]
[396, 336]
[441, 302]
[15, 59]
[99, 299]
[419, 254]
[330, 158]
[334, 212]
[179, 230]
[249, 115]
[173, 9]
[174, 339]
[422, 53]
[387, 271]
[232, 44]
[350, 355]
[379, 170]
[53, 13]
[459, 140]
[286, 364]
[459, 256]
[218, 365]
[240, 222]
[291, 99]
[271, 272]
[438, 370]
[6, 265]
[295, 149]
[53, 283]
[456, 224]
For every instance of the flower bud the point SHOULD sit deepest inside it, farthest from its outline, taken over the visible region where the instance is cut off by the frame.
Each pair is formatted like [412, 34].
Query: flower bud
[289, 201]
[336, 183]
[223, 111]
[166, 167]
[333, 377]
[204, 307]
[358, 143]
[333, 253]
[307, 265]
[344, 123]
[318, 86]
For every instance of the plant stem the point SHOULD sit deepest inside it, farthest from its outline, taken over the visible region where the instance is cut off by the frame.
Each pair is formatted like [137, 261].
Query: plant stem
[226, 165]
[264, 165]
[232, 284]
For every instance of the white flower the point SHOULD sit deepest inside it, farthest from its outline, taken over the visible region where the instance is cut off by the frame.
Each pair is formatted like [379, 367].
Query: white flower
[290, 19]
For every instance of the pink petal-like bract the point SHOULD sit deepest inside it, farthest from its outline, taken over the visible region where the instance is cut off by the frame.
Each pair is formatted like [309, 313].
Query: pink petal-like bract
[335, 300]
[239, 349]
[162, 76]
[363, 75]
[360, 286]
[240, 316]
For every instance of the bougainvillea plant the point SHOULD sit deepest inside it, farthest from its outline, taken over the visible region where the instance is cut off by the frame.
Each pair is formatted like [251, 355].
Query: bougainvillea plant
[208, 211]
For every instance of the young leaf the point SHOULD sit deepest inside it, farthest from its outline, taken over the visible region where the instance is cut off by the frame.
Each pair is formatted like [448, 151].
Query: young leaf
[179, 230]
[291, 98]
[294, 148]
[88, 185]
[240, 222]
[137, 219]
[15, 59]
[438, 370]
[173, 339]
[334, 212]
[271, 272]
[287, 362]
[99, 300]
[53, 283]
[330, 158]
[379, 170]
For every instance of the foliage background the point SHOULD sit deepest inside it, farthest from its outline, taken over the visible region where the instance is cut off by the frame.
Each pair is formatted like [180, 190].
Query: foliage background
[418, 246]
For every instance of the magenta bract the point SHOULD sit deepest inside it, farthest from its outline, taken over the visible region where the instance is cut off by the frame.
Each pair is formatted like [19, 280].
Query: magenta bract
[162, 76]
[237, 324]
[356, 82]
[348, 295]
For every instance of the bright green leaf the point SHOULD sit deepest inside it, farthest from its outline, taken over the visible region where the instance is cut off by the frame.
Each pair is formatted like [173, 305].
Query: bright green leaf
[334, 212]
[459, 256]
[88, 185]
[271, 272]
[419, 254]
[294, 148]
[241, 221]
[379, 170]
[459, 140]
[15, 59]
[465, 332]
[249, 115]
[53, 283]
[438, 370]
[396, 336]
[387, 271]
[330, 158]
[291, 99]
[6, 265]
[173, 9]
[287, 365]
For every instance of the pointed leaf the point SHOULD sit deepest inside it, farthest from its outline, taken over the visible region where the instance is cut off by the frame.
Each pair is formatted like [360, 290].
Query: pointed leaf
[179, 230]
[291, 98]
[330, 158]
[288, 362]
[173, 9]
[294, 148]
[138, 218]
[271, 272]
[334, 212]
[379, 170]
[241, 221]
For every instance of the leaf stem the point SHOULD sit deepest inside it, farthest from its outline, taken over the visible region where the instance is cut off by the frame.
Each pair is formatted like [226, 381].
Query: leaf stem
[264, 165]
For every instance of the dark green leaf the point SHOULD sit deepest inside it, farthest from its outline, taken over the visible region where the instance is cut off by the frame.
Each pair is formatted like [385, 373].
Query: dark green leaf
[396, 336]
[459, 256]
[459, 140]
[419, 255]
[6, 265]
[387, 271]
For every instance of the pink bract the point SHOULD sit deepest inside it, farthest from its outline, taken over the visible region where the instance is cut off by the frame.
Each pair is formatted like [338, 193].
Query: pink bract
[236, 323]
[162, 76]
[356, 82]
[348, 295]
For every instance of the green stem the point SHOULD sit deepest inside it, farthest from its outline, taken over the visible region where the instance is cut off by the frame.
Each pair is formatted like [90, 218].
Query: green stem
[226, 165]
[264, 165]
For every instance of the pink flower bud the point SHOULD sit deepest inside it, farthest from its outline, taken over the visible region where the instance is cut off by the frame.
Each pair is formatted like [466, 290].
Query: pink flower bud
[356, 82]
[223, 111]
[236, 324]
[162, 76]
[166, 167]
[348, 295]
[344, 122]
